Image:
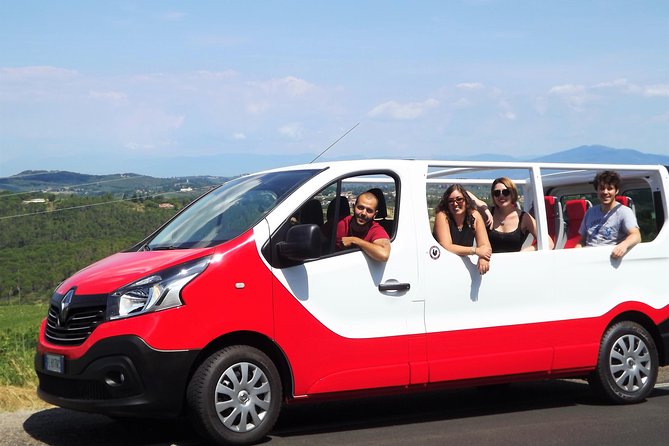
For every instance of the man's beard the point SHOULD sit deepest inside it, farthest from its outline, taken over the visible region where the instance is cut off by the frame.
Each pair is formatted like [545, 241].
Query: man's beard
[363, 218]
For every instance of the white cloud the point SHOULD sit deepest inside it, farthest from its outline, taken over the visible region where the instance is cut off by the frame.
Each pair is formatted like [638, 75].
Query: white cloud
[508, 114]
[462, 103]
[507, 111]
[471, 86]
[238, 136]
[408, 111]
[214, 75]
[575, 96]
[255, 108]
[110, 97]
[290, 85]
[619, 84]
[615, 83]
[35, 72]
[650, 91]
[567, 90]
[292, 131]
[656, 90]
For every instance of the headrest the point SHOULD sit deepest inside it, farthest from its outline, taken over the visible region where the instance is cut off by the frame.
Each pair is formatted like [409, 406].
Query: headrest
[311, 212]
[623, 199]
[576, 208]
[382, 210]
[551, 209]
[344, 208]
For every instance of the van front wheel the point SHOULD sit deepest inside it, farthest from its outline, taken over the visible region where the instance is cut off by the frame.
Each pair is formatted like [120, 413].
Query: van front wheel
[235, 396]
[627, 366]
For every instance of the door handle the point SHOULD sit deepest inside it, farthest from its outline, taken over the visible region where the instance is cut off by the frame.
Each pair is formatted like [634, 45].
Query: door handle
[394, 286]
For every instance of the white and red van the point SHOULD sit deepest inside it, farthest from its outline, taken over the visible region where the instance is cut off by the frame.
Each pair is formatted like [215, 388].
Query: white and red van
[242, 303]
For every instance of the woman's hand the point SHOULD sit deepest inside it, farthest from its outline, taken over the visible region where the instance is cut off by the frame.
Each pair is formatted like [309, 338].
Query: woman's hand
[483, 266]
[484, 252]
[488, 217]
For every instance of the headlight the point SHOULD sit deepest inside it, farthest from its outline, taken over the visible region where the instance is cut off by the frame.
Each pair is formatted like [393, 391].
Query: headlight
[156, 292]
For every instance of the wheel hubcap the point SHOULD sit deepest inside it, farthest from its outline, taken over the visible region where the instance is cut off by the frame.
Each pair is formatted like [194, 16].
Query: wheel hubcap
[242, 397]
[630, 363]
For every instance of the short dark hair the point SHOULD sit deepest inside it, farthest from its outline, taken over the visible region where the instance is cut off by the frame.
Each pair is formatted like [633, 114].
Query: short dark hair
[607, 177]
[368, 194]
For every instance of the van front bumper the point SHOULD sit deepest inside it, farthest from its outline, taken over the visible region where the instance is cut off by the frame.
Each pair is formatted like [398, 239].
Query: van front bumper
[119, 376]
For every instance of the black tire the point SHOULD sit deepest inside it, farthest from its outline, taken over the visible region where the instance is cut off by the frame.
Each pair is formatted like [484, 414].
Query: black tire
[235, 396]
[627, 365]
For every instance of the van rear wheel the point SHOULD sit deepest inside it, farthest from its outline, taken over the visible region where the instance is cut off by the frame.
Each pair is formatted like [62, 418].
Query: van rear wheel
[235, 396]
[627, 366]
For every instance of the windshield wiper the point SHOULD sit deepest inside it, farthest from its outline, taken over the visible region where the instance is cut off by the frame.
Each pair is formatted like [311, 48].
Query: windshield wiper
[163, 248]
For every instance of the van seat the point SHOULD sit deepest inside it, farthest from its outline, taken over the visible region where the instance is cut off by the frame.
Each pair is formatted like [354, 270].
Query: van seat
[344, 208]
[575, 211]
[382, 212]
[554, 219]
[311, 212]
[627, 201]
[327, 228]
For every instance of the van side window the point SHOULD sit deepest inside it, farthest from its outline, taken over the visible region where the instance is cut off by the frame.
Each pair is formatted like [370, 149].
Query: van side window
[641, 202]
[634, 193]
[330, 205]
[509, 217]
[567, 193]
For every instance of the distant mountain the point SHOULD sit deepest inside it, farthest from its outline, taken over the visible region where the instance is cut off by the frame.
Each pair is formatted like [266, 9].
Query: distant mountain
[593, 154]
[129, 183]
[489, 157]
[602, 154]
[60, 181]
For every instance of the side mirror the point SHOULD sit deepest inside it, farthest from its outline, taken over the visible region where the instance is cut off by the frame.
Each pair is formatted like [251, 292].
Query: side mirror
[302, 242]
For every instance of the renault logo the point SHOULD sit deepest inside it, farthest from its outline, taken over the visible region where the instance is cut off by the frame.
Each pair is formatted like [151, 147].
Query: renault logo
[64, 307]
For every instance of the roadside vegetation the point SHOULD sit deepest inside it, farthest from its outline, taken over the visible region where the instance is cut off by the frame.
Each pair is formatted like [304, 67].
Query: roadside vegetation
[19, 327]
[42, 243]
[38, 250]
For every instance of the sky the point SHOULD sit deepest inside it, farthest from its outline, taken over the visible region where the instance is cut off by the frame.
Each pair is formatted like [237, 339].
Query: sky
[170, 88]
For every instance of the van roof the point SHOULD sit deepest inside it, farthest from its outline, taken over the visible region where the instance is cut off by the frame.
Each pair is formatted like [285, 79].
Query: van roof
[449, 168]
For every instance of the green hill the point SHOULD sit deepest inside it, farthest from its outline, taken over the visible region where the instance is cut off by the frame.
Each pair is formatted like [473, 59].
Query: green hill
[60, 181]
[44, 241]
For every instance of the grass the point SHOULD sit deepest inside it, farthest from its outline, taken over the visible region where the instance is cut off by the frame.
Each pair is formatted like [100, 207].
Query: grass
[13, 398]
[19, 329]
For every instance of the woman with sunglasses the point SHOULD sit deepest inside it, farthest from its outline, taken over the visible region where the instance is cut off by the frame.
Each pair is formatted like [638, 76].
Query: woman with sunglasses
[510, 226]
[458, 224]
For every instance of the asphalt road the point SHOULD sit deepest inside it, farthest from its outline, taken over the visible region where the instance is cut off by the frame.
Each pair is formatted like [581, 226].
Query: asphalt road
[546, 413]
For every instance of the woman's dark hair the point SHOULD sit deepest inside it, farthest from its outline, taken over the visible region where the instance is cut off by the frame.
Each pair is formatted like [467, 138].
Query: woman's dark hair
[469, 204]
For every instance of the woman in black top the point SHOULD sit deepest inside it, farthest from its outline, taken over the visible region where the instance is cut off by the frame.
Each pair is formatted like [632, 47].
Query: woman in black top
[510, 226]
[457, 224]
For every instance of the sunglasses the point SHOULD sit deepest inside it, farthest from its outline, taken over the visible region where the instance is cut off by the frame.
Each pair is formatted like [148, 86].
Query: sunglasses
[458, 200]
[498, 192]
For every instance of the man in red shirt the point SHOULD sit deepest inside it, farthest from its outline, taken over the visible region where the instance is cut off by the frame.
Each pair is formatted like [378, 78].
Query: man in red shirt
[362, 231]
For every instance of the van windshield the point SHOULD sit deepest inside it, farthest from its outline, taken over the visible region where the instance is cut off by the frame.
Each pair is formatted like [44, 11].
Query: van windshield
[228, 210]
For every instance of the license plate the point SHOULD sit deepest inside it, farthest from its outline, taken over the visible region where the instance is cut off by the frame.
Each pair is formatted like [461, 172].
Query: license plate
[54, 363]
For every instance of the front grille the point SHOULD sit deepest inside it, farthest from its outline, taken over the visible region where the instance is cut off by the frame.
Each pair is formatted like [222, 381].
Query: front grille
[83, 389]
[76, 323]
